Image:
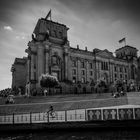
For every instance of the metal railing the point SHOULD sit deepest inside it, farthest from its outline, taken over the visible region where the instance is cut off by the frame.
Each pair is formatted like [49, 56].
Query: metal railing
[42, 117]
[92, 114]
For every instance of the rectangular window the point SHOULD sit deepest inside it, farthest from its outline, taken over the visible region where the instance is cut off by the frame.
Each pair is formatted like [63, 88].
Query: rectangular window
[90, 65]
[55, 33]
[74, 79]
[125, 76]
[120, 76]
[60, 34]
[106, 65]
[125, 70]
[82, 64]
[102, 67]
[115, 68]
[74, 63]
[83, 72]
[74, 71]
[91, 73]
[120, 69]
[83, 80]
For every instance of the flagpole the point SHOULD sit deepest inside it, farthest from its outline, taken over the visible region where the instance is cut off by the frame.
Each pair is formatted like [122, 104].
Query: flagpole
[125, 41]
[50, 14]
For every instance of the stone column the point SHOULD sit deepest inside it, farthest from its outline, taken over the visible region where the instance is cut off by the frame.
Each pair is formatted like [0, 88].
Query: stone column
[62, 70]
[117, 72]
[97, 72]
[66, 64]
[95, 69]
[28, 70]
[109, 70]
[99, 68]
[40, 59]
[32, 67]
[78, 70]
[113, 72]
[66, 55]
[129, 71]
[86, 72]
[47, 51]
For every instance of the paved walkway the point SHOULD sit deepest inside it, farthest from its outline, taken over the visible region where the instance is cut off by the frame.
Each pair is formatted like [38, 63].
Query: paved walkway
[56, 102]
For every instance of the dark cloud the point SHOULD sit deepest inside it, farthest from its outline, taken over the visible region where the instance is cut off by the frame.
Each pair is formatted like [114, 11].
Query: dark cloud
[6, 8]
[114, 9]
[111, 9]
[10, 8]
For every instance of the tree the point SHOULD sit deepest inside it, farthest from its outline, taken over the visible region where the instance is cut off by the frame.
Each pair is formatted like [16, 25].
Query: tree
[131, 85]
[100, 86]
[48, 81]
[119, 84]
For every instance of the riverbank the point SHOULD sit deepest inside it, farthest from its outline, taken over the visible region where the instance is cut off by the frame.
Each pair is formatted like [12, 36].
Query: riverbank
[99, 113]
[73, 134]
[67, 126]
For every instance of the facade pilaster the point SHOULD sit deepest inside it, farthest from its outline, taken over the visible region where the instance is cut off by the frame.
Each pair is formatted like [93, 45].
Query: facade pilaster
[32, 66]
[47, 51]
[79, 69]
[66, 64]
[40, 60]
[66, 55]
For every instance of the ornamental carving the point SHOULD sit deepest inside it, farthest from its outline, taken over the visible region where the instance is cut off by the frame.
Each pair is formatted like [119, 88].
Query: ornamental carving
[55, 60]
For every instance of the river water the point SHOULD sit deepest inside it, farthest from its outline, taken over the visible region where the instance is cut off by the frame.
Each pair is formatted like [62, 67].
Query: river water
[75, 135]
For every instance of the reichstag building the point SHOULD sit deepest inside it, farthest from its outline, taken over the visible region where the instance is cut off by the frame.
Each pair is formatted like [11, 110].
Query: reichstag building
[77, 70]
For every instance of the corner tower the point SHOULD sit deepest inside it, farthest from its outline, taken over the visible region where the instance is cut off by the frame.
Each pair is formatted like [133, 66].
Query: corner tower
[49, 30]
[129, 54]
[48, 51]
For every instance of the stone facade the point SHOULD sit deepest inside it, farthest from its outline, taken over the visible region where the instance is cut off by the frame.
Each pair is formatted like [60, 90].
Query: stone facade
[19, 73]
[138, 73]
[49, 51]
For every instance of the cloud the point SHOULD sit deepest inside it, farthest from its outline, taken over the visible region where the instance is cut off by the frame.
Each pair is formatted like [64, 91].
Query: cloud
[9, 28]
[20, 37]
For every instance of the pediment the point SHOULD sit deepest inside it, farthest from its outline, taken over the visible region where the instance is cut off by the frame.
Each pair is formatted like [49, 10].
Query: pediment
[106, 54]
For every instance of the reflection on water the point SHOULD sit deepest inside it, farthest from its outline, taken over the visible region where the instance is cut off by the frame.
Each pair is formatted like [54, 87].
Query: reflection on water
[79, 135]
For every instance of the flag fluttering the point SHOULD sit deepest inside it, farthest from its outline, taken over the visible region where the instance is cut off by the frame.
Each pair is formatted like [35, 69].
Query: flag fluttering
[122, 40]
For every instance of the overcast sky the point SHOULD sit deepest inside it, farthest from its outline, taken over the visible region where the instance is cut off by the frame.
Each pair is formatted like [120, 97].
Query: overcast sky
[93, 23]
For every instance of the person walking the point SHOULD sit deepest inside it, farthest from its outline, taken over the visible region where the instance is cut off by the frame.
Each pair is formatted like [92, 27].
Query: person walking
[45, 92]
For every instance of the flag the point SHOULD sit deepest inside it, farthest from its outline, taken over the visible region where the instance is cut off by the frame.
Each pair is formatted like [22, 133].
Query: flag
[48, 15]
[122, 40]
